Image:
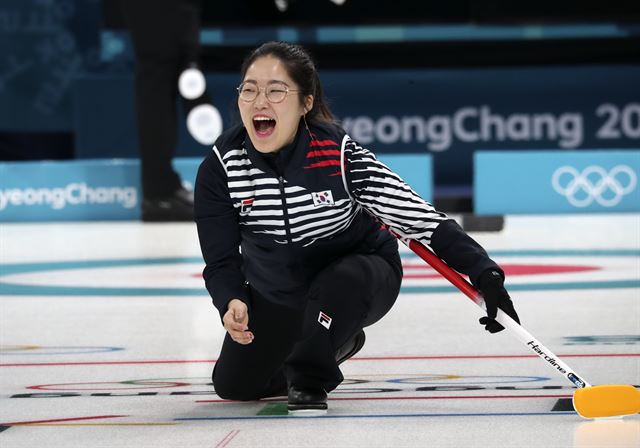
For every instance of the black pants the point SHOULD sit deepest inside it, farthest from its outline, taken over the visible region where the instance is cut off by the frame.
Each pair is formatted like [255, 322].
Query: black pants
[292, 346]
[165, 36]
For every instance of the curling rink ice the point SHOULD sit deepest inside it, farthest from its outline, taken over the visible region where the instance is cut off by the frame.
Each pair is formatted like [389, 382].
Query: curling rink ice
[108, 339]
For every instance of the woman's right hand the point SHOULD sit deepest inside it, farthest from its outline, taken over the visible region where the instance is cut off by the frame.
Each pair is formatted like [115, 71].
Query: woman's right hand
[236, 322]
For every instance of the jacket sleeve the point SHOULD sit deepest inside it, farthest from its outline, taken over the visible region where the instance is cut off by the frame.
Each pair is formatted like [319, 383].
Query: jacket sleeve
[383, 194]
[219, 234]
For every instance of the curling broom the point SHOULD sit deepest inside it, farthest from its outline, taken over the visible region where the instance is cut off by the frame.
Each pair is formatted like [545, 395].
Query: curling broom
[607, 400]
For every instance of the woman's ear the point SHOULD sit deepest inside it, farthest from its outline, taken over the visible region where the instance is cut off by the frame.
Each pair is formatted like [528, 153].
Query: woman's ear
[308, 104]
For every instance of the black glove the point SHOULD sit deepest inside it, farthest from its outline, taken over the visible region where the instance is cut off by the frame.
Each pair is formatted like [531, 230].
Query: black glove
[491, 285]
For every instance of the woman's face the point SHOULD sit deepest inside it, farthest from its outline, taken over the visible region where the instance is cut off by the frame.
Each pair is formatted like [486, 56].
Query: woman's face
[271, 126]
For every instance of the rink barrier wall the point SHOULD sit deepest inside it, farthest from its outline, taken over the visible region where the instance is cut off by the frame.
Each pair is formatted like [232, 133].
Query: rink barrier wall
[548, 182]
[102, 190]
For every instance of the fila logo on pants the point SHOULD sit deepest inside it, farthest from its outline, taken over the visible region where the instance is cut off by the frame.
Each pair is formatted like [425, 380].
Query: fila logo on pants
[324, 320]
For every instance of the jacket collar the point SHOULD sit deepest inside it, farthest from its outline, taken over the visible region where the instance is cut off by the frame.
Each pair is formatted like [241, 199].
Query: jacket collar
[279, 161]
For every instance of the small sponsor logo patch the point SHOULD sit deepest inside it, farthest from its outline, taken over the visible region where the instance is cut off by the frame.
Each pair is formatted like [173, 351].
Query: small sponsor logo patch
[321, 198]
[575, 379]
[324, 320]
[245, 206]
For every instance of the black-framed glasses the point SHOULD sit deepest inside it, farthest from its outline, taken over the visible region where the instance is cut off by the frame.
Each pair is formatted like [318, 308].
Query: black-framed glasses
[275, 92]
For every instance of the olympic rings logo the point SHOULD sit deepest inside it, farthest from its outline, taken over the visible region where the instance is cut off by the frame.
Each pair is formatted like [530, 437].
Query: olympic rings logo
[594, 183]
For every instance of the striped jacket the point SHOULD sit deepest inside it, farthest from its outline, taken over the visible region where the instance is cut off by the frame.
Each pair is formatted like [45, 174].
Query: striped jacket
[294, 212]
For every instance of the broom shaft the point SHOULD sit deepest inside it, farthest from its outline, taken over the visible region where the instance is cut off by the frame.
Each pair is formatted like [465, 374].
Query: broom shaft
[505, 320]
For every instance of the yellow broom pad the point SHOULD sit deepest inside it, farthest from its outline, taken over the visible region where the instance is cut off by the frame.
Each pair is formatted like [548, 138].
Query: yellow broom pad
[607, 400]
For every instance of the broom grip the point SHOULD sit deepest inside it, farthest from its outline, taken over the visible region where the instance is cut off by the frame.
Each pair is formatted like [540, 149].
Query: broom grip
[505, 320]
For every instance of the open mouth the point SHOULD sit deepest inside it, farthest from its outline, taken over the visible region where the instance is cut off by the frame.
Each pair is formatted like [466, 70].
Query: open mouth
[264, 126]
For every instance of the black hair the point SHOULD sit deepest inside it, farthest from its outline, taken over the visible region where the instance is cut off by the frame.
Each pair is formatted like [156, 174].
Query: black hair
[301, 68]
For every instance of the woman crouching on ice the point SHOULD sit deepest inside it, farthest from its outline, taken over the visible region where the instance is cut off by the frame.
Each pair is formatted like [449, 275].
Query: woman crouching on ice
[289, 211]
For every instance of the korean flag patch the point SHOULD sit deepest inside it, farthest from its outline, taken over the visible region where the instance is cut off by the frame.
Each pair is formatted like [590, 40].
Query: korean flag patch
[321, 198]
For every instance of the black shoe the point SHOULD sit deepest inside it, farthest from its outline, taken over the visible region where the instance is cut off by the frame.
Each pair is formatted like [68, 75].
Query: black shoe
[177, 207]
[307, 400]
[351, 347]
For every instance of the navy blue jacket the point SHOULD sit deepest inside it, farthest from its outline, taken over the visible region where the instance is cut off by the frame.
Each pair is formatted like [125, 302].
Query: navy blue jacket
[275, 221]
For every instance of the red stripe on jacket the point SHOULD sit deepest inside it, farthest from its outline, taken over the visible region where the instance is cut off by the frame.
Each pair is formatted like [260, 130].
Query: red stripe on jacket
[323, 163]
[323, 152]
[323, 143]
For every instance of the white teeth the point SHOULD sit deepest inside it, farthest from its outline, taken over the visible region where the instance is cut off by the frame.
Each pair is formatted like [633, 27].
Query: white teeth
[262, 119]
